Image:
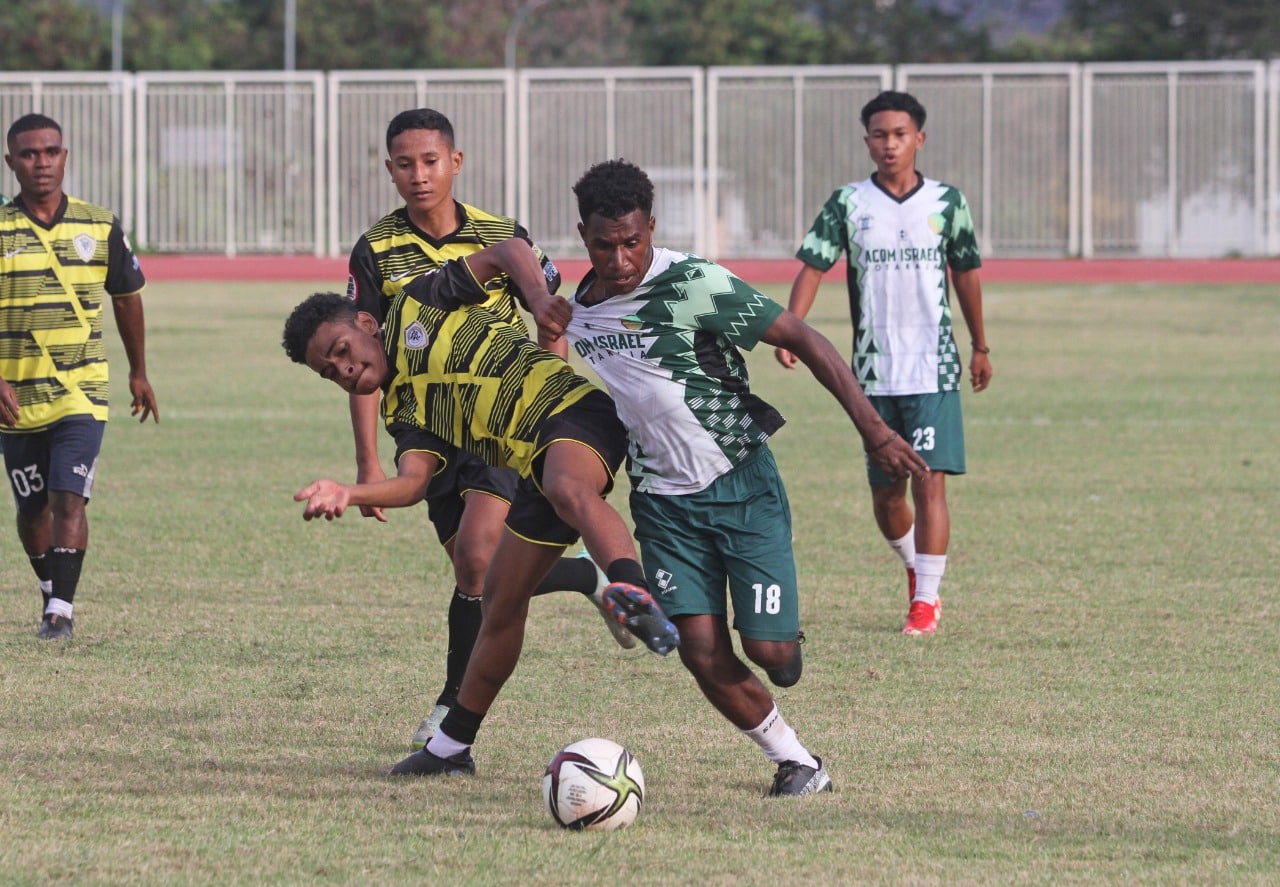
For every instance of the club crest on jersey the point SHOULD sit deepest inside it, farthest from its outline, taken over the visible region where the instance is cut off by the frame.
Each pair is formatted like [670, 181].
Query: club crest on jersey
[415, 336]
[85, 246]
[632, 323]
[864, 223]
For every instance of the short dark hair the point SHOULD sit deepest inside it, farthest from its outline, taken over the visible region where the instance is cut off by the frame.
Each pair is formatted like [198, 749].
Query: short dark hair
[314, 311]
[419, 118]
[30, 123]
[613, 189]
[894, 101]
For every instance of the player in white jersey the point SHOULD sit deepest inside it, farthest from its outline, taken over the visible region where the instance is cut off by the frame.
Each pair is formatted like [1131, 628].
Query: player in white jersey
[664, 329]
[901, 232]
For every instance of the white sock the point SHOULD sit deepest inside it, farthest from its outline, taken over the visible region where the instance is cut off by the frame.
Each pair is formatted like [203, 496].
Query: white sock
[906, 547]
[929, 570]
[58, 607]
[442, 746]
[778, 741]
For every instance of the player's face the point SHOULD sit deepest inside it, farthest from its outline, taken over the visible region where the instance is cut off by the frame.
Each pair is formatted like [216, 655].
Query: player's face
[423, 165]
[349, 354]
[892, 139]
[38, 161]
[621, 250]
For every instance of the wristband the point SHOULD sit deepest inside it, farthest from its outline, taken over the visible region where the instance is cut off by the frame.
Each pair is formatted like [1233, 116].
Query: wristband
[884, 443]
[980, 350]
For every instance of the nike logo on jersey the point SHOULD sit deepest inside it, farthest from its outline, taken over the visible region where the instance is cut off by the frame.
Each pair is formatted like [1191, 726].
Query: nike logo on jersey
[13, 252]
[394, 277]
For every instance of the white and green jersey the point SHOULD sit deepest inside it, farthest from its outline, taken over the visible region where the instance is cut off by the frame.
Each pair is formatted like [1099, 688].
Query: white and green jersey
[668, 351]
[898, 252]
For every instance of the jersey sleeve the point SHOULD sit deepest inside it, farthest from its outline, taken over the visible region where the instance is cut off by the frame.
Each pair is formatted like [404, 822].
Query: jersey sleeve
[717, 301]
[124, 274]
[448, 288]
[549, 269]
[827, 235]
[364, 280]
[962, 242]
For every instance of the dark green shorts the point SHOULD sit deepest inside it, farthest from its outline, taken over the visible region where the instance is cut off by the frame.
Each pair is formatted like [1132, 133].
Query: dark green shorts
[736, 532]
[931, 423]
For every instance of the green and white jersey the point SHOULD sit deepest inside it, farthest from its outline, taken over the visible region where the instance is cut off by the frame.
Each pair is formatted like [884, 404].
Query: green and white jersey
[668, 352]
[898, 251]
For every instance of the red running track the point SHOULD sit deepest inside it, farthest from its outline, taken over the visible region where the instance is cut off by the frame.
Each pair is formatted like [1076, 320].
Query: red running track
[333, 272]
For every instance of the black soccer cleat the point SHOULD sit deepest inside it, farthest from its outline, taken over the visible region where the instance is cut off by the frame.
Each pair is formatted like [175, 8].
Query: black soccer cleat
[789, 675]
[56, 628]
[632, 606]
[793, 779]
[424, 763]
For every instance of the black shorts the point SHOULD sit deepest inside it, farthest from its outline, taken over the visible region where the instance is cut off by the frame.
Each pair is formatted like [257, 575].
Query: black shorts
[62, 457]
[462, 475]
[592, 422]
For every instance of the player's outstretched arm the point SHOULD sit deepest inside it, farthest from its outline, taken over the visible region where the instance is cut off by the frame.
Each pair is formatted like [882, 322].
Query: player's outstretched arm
[364, 426]
[329, 499]
[516, 259]
[889, 452]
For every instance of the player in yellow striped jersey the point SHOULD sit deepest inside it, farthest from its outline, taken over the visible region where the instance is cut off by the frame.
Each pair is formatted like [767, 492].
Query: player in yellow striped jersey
[468, 500]
[59, 257]
[455, 378]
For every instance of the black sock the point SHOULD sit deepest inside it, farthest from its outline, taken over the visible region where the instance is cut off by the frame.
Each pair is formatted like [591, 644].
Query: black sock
[569, 574]
[40, 564]
[461, 725]
[464, 625]
[625, 569]
[64, 572]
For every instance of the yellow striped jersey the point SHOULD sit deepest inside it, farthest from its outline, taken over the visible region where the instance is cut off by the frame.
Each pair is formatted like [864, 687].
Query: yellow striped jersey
[395, 251]
[52, 282]
[467, 379]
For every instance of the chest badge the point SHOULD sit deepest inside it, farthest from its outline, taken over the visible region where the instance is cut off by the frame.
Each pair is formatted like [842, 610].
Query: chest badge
[85, 246]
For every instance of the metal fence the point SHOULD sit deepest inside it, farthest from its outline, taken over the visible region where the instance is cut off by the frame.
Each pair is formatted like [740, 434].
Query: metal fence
[1159, 160]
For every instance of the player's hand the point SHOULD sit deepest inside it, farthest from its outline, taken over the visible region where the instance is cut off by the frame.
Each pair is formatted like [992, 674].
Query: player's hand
[368, 475]
[980, 371]
[8, 404]
[325, 498]
[786, 358]
[144, 399]
[896, 458]
[552, 315]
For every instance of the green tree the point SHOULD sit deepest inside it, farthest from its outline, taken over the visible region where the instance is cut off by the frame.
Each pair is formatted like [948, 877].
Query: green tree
[1135, 30]
[722, 32]
[53, 35]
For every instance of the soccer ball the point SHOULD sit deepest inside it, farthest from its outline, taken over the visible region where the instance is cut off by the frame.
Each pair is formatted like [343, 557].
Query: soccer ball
[593, 784]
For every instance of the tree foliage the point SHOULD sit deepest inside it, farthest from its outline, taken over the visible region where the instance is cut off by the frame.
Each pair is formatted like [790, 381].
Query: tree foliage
[71, 35]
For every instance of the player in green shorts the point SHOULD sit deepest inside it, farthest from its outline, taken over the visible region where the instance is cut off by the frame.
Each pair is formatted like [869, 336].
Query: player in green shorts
[664, 329]
[901, 232]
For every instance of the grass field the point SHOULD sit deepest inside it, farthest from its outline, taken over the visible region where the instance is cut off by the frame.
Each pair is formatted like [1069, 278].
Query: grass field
[1102, 704]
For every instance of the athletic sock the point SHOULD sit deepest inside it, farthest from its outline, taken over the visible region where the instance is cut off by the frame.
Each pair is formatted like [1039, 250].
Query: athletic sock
[929, 570]
[628, 570]
[464, 626]
[778, 741]
[569, 574]
[59, 607]
[64, 572]
[457, 732]
[40, 565]
[906, 547]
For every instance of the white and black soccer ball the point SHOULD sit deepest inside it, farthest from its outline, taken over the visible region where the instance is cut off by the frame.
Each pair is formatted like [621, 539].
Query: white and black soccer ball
[593, 784]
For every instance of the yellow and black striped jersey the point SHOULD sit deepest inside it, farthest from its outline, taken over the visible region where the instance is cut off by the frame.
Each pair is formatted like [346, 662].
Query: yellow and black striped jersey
[395, 251]
[466, 379]
[52, 282]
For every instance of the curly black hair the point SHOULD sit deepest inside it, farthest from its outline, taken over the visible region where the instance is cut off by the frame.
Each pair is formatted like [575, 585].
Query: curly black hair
[613, 189]
[316, 310]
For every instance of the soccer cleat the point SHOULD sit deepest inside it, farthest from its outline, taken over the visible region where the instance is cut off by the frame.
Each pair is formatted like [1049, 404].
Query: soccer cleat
[635, 608]
[789, 675]
[794, 779]
[923, 618]
[911, 584]
[626, 640]
[56, 628]
[428, 727]
[424, 763]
